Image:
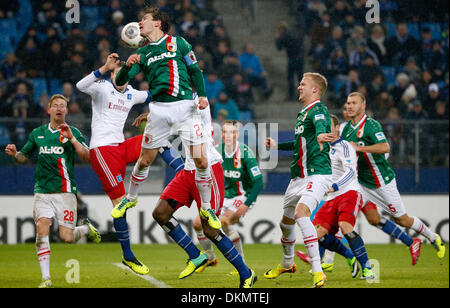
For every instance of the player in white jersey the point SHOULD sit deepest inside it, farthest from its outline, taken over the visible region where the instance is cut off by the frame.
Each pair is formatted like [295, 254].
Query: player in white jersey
[110, 152]
[342, 205]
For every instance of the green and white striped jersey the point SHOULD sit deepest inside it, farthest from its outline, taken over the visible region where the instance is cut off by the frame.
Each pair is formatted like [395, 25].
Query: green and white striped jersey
[55, 159]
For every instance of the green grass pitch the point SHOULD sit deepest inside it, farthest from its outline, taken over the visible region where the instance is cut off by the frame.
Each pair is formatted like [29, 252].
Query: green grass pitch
[20, 268]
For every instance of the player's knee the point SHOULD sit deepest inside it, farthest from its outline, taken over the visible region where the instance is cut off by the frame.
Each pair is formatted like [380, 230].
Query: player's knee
[345, 227]
[404, 221]
[201, 162]
[302, 210]
[42, 227]
[373, 217]
[160, 214]
[197, 224]
[210, 233]
[66, 237]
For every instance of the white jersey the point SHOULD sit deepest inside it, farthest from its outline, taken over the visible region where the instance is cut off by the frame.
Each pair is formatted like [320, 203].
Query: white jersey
[343, 164]
[214, 157]
[110, 108]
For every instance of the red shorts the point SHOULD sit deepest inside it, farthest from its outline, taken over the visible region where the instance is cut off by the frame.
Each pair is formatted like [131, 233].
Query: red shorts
[183, 189]
[110, 162]
[342, 208]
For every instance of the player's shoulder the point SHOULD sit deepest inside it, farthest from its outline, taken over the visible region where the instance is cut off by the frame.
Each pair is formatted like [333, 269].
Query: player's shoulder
[372, 123]
[247, 151]
[319, 112]
[40, 129]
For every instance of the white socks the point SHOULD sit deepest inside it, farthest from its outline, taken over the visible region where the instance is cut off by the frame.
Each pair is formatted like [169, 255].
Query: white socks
[43, 252]
[236, 239]
[80, 232]
[137, 178]
[421, 228]
[206, 244]
[310, 240]
[288, 239]
[203, 182]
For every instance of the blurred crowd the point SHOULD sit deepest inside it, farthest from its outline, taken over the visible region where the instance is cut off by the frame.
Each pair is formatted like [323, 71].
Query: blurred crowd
[52, 55]
[399, 64]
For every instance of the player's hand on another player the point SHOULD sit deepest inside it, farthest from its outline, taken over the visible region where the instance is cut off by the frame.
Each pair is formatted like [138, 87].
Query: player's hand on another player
[141, 118]
[241, 211]
[133, 59]
[202, 102]
[323, 138]
[11, 150]
[355, 146]
[65, 131]
[271, 143]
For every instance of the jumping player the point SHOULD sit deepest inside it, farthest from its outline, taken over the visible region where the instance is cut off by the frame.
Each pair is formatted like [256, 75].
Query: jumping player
[182, 191]
[170, 67]
[243, 182]
[310, 176]
[110, 152]
[378, 181]
[55, 189]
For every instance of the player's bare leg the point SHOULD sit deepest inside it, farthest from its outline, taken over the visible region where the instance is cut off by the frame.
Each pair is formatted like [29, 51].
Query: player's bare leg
[203, 182]
[205, 243]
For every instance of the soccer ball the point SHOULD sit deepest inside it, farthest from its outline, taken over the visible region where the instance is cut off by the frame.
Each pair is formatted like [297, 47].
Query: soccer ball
[131, 35]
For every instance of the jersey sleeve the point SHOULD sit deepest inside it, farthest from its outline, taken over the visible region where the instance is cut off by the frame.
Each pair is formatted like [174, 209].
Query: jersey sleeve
[347, 156]
[375, 133]
[251, 164]
[127, 73]
[89, 84]
[142, 96]
[79, 136]
[321, 121]
[30, 146]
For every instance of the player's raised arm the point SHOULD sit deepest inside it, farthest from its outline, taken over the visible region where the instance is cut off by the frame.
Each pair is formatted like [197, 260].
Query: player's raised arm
[129, 70]
[87, 84]
[19, 158]
[81, 149]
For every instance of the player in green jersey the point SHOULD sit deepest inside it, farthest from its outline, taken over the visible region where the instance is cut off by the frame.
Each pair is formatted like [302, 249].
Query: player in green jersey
[243, 183]
[310, 173]
[378, 181]
[55, 190]
[170, 67]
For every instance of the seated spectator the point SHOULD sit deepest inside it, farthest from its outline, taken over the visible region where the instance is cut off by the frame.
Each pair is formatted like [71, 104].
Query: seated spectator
[336, 40]
[76, 117]
[369, 69]
[53, 60]
[20, 101]
[241, 92]
[440, 111]
[337, 65]
[356, 38]
[377, 43]
[75, 68]
[438, 62]
[213, 86]
[10, 66]
[377, 85]
[229, 68]
[351, 85]
[202, 55]
[252, 67]
[360, 54]
[401, 46]
[339, 11]
[187, 22]
[394, 130]
[219, 53]
[30, 57]
[426, 46]
[226, 103]
[432, 98]
[412, 70]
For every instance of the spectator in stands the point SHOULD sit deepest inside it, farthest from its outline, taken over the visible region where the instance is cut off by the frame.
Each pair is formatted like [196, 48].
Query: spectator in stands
[241, 92]
[440, 111]
[76, 117]
[417, 116]
[75, 37]
[10, 66]
[423, 84]
[252, 67]
[401, 46]
[229, 68]
[292, 42]
[320, 30]
[20, 101]
[164, 6]
[402, 83]
[181, 7]
[369, 69]
[115, 26]
[219, 34]
[348, 25]
[337, 65]
[412, 70]
[438, 62]
[193, 36]
[202, 55]
[186, 23]
[336, 40]
[377, 85]
[339, 11]
[20, 77]
[30, 57]
[377, 43]
[53, 59]
[394, 130]
[74, 69]
[429, 104]
[440, 136]
[351, 85]
[426, 46]
[357, 38]
[226, 103]
[360, 54]
[213, 86]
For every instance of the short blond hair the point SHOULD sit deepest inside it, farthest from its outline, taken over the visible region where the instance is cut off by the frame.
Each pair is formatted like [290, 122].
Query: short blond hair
[319, 80]
[55, 97]
[360, 95]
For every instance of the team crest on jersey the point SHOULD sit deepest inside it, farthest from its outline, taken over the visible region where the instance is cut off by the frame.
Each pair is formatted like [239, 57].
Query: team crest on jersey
[62, 139]
[129, 96]
[148, 139]
[171, 46]
[119, 178]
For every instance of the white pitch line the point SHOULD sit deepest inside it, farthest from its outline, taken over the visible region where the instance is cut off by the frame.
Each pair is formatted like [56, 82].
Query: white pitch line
[150, 279]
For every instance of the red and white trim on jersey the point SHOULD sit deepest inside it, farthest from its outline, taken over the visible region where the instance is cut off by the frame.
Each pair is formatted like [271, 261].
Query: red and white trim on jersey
[65, 180]
[307, 108]
[302, 151]
[239, 188]
[105, 168]
[174, 76]
[376, 174]
[361, 125]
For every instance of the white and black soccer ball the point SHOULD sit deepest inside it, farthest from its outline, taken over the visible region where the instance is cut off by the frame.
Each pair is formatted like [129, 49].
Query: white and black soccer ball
[131, 35]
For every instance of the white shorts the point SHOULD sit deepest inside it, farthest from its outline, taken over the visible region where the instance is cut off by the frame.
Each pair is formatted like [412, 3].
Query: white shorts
[387, 197]
[177, 118]
[62, 206]
[310, 191]
[232, 204]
